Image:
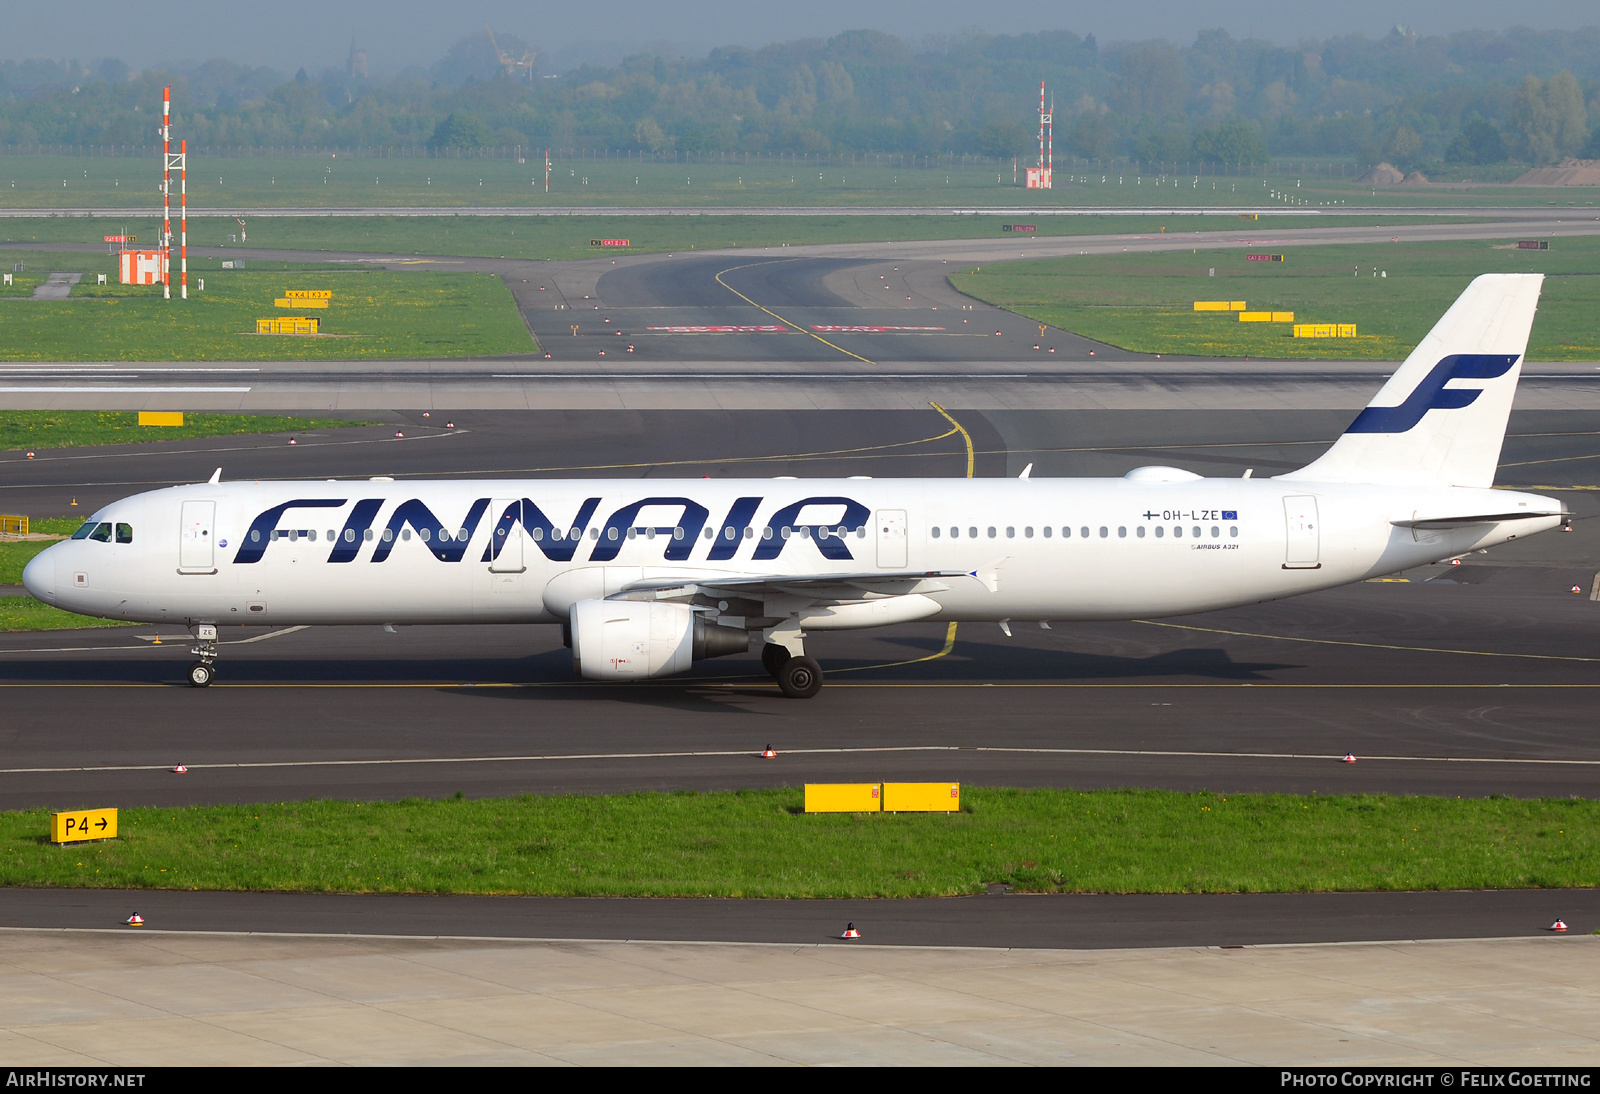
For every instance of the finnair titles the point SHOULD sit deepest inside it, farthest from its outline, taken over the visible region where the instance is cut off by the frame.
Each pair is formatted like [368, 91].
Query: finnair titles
[646, 582]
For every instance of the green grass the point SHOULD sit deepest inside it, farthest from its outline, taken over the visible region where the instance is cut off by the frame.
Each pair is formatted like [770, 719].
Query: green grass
[24, 613]
[280, 181]
[373, 314]
[40, 429]
[14, 556]
[22, 285]
[563, 237]
[1145, 302]
[757, 844]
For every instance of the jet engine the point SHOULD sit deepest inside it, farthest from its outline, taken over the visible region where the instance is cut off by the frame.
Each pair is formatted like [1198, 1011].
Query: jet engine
[635, 639]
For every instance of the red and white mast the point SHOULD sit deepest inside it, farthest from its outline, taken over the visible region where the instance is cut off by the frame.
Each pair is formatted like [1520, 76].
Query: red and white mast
[183, 216]
[166, 186]
[1041, 129]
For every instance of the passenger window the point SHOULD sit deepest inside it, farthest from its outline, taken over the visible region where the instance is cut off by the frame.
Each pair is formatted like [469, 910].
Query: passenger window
[1028, 532]
[101, 533]
[538, 535]
[1215, 531]
[1196, 531]
[1104, 531]
[991, 531]
[405, 534]
[728, 533]
[1160, 531]
[124, 533]
[972, 533]
[749, 533]
[805, 531]
[1011, 533]
[1141, 531]
[255, 535]
[84, 529]
[784, 532]
[594, 533]
[766, 533]
[349, 535]
[332, 535]
[367, 535]
[1066, 533]
[1084, 531]
[1122, 533]
[1177, 532]
[424, 534]
[1046, 531]
[312, 535]
[1234, 531]
[611, 533]
[934, 531]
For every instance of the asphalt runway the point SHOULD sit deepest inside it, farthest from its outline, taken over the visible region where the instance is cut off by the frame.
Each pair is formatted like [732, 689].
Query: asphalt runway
[1466, 680]
[1472, 680]
[1061, 921]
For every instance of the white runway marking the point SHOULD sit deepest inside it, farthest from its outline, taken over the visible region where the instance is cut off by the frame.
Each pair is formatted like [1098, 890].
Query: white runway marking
[748, 754]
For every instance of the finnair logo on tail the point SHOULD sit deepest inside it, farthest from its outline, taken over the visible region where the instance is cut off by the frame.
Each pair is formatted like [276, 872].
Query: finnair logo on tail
[1431, 394]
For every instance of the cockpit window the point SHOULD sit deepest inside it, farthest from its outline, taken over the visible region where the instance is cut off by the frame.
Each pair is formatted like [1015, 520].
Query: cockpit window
[84, 530]
[124, 533]
[101, 533]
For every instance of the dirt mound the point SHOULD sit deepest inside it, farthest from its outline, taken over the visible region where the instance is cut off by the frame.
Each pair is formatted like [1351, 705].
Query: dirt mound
[1416, 178]
[1571, 172]
[1384, 174]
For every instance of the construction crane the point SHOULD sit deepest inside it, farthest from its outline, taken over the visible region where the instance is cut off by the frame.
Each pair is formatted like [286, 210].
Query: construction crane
[511, 64]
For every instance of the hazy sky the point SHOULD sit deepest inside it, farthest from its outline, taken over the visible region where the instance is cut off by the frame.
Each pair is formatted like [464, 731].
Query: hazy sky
[286, 34]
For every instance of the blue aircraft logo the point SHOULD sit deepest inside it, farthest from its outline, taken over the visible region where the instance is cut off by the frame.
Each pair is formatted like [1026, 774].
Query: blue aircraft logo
[1431, 394]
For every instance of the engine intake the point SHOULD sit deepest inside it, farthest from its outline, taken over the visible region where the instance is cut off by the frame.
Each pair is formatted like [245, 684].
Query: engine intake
[635, 640]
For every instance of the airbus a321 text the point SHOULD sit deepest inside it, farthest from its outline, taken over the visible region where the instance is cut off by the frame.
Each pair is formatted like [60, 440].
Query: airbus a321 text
[649, 577]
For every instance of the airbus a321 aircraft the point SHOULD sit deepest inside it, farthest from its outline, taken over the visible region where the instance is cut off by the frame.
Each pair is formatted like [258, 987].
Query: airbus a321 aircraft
[648, 577]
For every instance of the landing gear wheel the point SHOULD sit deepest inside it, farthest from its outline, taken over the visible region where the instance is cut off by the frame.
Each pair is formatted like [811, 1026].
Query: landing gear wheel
[800, 677]
[773, 658]
[200, 674]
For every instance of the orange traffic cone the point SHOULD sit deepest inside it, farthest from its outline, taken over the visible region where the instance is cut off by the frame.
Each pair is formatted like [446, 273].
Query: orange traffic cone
[1557, 926]
[425, 414]
[30, 455]
[292, 440]
[397, 433]
[1577, 589]
[74, 501]
[851, 932]
[180, 770]
[1349, 757]
[134, 920]
[769, 754]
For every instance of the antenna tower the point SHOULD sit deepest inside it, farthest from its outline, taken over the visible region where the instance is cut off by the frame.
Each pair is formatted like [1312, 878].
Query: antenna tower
[512, 64]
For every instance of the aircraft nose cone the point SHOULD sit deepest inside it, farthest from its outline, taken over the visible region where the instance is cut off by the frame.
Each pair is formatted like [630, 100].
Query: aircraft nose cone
[39, 576]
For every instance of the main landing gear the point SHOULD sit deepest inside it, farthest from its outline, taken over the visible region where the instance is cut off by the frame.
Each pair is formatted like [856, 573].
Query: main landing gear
[205, 648]
[798, 676]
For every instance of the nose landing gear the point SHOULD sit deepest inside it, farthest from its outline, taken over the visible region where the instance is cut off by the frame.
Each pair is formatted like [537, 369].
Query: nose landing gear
[205, 648]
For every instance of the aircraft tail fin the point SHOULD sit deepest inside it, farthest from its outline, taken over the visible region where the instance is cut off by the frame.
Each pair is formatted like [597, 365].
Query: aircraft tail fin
[1441, 418]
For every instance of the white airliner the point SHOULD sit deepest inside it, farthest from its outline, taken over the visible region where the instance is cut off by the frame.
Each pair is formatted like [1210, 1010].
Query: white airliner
[648, 577]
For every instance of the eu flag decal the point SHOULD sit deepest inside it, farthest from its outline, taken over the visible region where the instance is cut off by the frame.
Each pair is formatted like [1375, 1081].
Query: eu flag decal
[1230, 514]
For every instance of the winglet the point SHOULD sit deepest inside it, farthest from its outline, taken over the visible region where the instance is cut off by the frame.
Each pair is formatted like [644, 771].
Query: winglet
[216, 476]
[1026, 471]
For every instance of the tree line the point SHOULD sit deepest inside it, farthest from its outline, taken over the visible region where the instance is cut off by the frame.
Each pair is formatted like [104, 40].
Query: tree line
[1472, 98]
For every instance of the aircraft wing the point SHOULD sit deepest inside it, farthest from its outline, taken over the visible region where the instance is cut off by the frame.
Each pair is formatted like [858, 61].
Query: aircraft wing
[815, 587]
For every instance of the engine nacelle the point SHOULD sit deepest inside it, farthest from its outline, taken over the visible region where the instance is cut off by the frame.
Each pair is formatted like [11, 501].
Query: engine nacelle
[636, 639]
